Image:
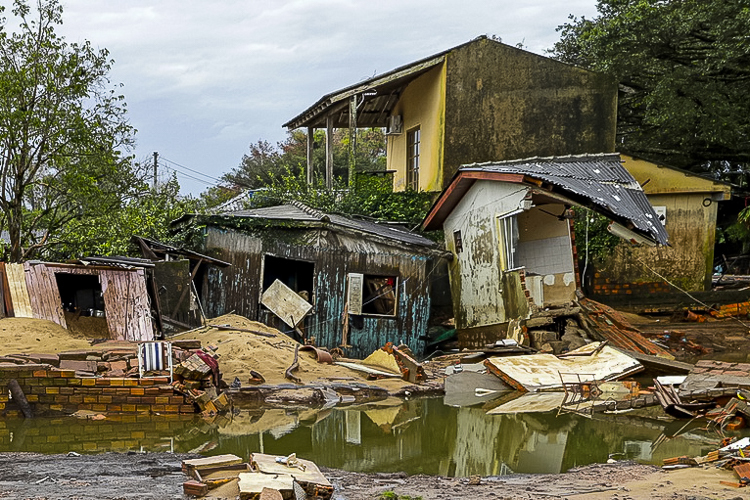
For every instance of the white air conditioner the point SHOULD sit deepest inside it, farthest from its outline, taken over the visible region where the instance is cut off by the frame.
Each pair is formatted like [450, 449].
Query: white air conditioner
[395, 125]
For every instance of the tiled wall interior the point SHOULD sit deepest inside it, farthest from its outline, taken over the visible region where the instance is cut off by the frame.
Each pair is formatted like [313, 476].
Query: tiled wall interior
[548, 256]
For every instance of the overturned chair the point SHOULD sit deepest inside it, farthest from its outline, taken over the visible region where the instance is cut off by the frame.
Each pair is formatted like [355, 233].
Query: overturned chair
[155, 356]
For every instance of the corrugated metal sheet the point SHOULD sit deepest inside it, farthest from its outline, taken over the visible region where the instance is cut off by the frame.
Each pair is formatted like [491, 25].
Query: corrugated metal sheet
[600, 178]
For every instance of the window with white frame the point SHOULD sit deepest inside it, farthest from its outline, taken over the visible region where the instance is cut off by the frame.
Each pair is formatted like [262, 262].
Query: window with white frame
[507, 230]
[413, 140]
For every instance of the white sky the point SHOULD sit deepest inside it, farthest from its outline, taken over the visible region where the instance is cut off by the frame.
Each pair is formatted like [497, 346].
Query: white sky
[203, 79]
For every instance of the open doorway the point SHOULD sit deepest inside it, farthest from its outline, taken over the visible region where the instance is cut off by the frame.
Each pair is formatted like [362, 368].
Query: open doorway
[298, 275]
[83, 304]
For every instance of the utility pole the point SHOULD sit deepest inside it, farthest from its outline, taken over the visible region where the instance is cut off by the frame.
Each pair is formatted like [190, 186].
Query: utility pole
[156, 166]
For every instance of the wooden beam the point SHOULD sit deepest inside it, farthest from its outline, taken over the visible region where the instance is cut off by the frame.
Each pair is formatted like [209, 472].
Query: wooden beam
[310, 144]
[352, 138]
[329, 152]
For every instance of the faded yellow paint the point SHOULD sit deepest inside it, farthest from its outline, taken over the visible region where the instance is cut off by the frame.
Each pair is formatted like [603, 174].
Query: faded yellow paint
[421, 105]
[658, 179]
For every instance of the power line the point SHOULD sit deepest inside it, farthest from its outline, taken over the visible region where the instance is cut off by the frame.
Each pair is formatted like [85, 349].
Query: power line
[203, 181]
[191, 170]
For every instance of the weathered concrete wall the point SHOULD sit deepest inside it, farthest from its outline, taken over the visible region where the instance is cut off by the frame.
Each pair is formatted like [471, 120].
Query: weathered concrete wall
[476, 277]
[238, 288]
[504, 103]
[421, 105]
[688, 262]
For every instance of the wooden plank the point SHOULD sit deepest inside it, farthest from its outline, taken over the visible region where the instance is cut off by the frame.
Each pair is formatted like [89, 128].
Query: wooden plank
[7, 299]
[285, 303]
[18, 291]
[51, 300]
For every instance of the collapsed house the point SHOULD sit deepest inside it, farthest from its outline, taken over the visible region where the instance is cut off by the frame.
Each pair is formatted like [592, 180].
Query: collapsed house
[341, 281]
[508, 226]
[111, 289]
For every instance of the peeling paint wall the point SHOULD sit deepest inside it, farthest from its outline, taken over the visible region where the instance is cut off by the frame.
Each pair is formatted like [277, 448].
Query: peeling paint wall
[238, 288]
[421, 105]
[476, 282]
[483, 293]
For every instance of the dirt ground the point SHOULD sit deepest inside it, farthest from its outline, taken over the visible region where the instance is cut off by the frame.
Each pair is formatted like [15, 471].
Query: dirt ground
[28, 335]
[111, 476]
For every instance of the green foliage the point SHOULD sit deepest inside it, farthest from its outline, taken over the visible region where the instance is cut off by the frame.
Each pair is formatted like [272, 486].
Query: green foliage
[147, 212]
[370, 196]
[683, 68]
[591, 232]
[264, 161]
[61, 131]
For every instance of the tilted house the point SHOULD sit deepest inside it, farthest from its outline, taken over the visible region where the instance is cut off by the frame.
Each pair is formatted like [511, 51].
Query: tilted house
[480, 101]
[687, 206]
[368, 283]
[508, 226]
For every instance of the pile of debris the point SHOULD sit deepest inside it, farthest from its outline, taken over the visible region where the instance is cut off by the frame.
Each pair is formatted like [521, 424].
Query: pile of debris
[263, 477]
[109, 359]
[199, 380]
[733, 455]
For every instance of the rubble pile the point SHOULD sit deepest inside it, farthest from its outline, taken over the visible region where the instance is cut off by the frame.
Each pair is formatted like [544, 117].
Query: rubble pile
[199, 380]
[263, 477]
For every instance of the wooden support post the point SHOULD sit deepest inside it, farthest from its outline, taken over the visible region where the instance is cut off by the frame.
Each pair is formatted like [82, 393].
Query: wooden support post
[329, 152]
[352, 139]
[310, 144]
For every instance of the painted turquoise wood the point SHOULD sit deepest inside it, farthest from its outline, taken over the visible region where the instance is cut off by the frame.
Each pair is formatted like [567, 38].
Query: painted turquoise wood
[334, 255]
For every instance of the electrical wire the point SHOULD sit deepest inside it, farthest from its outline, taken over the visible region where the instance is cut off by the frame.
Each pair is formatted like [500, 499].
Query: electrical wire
[190, 169]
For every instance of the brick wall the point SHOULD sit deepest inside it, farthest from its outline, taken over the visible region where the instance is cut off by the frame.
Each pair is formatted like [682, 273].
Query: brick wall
[607, 286]
[50, 390]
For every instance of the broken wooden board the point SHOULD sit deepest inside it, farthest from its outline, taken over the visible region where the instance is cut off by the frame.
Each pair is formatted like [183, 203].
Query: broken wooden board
[285, 303]
[252, 484]
[19, 293]
[367, 369]
[542, 372]
[311, 475]
[188, 466]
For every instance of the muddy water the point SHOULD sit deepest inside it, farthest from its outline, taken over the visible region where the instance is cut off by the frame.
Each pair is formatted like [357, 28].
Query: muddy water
[418, 436]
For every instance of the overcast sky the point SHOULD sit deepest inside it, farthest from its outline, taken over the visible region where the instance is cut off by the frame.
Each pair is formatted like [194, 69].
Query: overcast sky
[203, 80]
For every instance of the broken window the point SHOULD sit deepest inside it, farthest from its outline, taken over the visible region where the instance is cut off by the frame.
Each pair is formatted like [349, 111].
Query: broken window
[458, 242]
[413, 139]
[371, 294]
[296, 274]
[507, 226]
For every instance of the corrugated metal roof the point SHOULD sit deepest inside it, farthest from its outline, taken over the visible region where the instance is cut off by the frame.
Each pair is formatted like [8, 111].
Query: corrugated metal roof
[299, 212]
[600, 178]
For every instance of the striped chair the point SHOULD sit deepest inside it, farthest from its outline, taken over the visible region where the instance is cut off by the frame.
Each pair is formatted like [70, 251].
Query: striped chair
[155, 356]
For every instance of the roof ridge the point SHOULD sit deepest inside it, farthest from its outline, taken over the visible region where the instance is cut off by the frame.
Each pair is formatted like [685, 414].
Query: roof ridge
[321, 216]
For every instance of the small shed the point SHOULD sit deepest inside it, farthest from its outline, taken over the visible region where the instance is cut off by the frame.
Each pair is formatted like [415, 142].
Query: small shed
[112, 289]
[367, 283]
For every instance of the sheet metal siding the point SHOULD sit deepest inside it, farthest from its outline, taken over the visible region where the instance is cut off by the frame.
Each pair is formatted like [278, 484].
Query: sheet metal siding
[237, 288]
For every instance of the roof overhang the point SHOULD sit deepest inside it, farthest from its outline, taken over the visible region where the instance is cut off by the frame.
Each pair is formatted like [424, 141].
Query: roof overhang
[376, 99]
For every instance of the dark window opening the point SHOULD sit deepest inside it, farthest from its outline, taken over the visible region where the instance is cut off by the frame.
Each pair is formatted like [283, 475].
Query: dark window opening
[458, 241]
[413, 140]
[80, 293]
[296, 274]
[379, 295]
[83, 304]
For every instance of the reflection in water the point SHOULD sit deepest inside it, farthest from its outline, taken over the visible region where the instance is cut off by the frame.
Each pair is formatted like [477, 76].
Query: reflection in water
[417, 436]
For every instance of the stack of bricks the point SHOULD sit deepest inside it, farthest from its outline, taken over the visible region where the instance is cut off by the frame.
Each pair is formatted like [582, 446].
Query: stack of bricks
[50, 389]
[729, 310]
[609, 286]
[195, 380]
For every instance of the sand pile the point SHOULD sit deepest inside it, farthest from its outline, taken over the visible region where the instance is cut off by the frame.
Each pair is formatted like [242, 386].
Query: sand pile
[241, 352]
[28, 335]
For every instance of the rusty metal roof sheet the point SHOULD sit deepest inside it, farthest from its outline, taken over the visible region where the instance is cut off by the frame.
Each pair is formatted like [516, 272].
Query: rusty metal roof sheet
[598, 180]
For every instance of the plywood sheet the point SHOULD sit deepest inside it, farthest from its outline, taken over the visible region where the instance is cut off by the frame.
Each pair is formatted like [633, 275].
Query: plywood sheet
[542, 371]
[18, 292]
[252, 484]
[44, 294]
[285, 303]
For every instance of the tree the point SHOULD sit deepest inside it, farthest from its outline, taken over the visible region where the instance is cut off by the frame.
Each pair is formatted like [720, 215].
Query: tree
[264, 160]
[684, 73]
[62, 130]
[144, 211]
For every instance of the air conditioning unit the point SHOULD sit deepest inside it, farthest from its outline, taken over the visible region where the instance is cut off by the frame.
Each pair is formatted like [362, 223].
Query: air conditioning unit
[395, 125]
